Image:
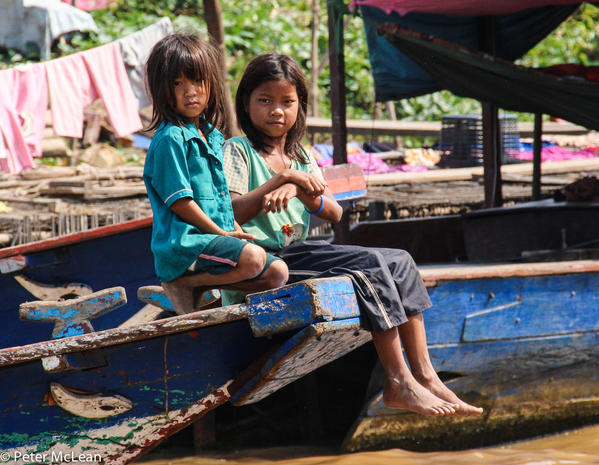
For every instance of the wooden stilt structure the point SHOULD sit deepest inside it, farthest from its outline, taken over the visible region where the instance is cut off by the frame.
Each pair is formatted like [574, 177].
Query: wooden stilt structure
[536, 157]
[338, 110]
[491, 130]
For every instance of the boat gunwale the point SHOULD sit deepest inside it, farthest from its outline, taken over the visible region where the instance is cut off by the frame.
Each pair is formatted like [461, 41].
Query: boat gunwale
[70, 239]
[121, 335]
[466, 271]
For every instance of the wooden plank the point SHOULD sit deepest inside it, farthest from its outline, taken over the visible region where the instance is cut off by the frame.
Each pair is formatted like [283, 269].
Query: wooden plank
[270, 312]
[562, 313]
[297, 305]
[76, 238]
[316, 125]
[434, 273]
[306, 351]
[466, 174]
[118, 336]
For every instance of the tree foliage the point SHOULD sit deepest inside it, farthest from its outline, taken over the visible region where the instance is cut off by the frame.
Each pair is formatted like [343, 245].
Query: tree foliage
[253, 27]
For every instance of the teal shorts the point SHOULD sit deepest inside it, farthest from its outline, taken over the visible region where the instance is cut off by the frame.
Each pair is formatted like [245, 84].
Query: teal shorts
[222, 255]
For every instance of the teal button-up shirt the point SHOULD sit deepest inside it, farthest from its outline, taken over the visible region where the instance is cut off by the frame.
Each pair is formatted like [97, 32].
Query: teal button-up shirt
[179, 164]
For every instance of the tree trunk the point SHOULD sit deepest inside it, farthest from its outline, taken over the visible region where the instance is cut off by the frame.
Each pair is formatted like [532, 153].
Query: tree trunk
[214, 22]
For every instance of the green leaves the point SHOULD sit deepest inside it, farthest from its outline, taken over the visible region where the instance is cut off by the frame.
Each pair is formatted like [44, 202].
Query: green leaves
[253, 27]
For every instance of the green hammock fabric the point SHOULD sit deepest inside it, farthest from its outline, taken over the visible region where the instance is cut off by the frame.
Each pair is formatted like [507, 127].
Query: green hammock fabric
[487, 78]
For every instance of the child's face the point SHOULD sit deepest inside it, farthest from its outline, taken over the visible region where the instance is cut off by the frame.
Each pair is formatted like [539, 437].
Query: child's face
[191, 98]
[273, 107]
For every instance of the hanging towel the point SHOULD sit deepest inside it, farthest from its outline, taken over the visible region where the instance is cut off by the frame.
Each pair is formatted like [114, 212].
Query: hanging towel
[135, 49]
[75, 81]
[23, 91]
[18, 157]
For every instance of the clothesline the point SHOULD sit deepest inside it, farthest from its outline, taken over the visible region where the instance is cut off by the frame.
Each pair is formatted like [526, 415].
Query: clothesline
[112, 72]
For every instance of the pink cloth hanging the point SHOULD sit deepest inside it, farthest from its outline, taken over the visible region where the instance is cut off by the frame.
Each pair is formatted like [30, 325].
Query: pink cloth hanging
[88, 5]
[18, 154]
[457, 7]
[75, 81]
[23, 90]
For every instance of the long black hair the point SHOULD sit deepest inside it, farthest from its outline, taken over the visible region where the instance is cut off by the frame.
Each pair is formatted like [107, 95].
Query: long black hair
[188, 55]
[272, 67]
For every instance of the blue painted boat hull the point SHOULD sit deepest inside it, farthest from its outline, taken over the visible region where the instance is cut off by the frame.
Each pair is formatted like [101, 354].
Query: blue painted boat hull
[110, 256]
[522, 341]
[165, 374]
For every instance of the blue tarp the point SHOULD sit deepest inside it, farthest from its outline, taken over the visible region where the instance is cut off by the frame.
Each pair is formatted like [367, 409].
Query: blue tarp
[396, 76]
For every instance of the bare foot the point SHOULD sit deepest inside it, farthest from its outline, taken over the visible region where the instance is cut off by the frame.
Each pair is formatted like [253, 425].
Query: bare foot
[181, 296]
[436, 386]
[408, 394]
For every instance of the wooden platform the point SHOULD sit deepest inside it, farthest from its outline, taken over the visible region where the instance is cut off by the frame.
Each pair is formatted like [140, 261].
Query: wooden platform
[425, 128]
[476, 172]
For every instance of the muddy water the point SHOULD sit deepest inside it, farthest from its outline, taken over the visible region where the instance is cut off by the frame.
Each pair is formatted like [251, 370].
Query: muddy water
[579, 447]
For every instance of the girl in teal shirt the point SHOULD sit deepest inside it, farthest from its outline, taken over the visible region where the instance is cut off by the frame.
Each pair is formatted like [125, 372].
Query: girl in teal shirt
[195, 241]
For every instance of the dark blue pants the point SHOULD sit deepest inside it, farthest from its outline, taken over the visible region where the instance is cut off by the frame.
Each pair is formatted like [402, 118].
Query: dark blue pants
[387, 283]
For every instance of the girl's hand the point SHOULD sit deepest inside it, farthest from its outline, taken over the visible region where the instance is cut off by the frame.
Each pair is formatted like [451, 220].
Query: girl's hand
[278, 199]
[240, 235]
[310, 183]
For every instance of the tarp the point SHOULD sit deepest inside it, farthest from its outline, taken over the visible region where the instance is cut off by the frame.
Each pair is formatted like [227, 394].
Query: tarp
[487, 78]
[28, 25]
[459, 7]
[396, 76]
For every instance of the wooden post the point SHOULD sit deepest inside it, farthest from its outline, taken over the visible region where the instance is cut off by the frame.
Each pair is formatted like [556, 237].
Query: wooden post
[338, 111]
[491, 156]
[204, 431]
[491, 132]
[536, 156]
[314, 59]
[214, 22]
[390, 105]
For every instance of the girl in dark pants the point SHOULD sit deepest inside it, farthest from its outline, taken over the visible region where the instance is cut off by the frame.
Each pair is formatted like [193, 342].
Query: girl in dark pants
[275, 186]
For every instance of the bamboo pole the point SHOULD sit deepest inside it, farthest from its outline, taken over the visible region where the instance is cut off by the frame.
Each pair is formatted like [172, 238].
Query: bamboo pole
[216, 30]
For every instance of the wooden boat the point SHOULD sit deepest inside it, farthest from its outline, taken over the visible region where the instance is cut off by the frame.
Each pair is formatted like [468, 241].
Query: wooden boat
[72, 266]
[112, 395]
[77, 264]
[519, 339]
[112, 389]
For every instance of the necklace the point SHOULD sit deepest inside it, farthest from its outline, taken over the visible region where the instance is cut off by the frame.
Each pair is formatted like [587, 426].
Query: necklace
[284, 161]
[271, 157]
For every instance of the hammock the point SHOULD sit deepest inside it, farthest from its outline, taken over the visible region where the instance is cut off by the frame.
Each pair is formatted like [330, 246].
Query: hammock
[491, 79]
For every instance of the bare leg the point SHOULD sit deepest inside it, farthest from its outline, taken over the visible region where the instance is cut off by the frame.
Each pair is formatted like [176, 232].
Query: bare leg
[402, 391]
[180, 291]
[276, 275]
[413, 337]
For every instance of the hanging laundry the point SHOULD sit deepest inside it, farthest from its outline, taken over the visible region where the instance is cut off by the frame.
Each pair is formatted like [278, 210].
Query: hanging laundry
[88, 5]
[135, 49]
[46, 20]
[23, 91]
[18, 156]
[75, 81]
